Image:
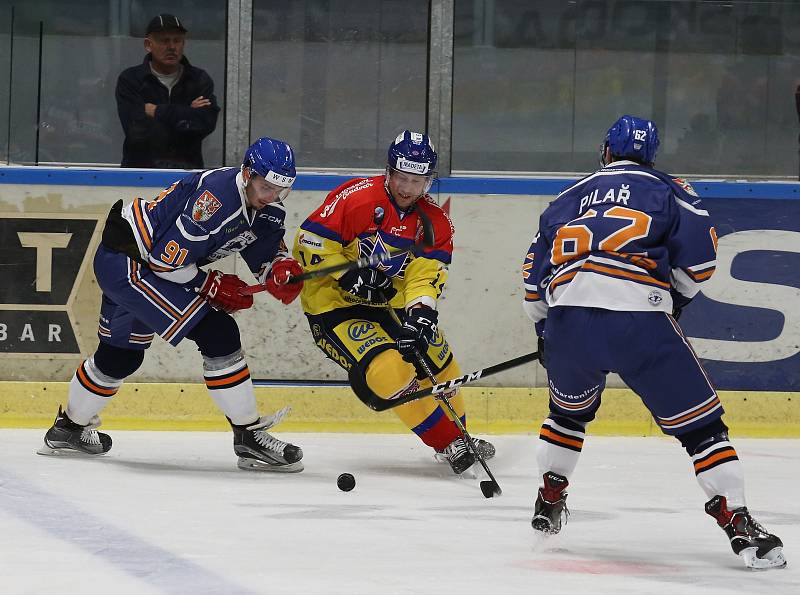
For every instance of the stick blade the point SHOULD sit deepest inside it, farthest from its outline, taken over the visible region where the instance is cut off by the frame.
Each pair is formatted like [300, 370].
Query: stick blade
[490, 489]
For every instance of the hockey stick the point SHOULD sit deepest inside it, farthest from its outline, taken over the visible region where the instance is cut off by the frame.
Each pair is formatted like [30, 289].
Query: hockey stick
[490, 487]
[425, 241]
[374, 402]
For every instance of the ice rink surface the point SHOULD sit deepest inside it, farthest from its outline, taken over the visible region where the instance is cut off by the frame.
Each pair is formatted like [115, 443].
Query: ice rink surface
[169, 512]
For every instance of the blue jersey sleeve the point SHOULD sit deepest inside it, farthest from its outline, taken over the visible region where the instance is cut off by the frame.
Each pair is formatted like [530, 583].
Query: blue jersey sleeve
[269, 229]
[192, 224]
[534, 304]
[691, 243]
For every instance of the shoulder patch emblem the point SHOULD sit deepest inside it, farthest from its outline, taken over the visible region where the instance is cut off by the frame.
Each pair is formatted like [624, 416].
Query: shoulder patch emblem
[685, 185]
[205, 206]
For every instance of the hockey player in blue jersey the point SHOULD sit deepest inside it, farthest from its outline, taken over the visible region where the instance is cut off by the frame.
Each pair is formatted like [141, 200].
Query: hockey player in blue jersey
[148, 269]
[617, 255]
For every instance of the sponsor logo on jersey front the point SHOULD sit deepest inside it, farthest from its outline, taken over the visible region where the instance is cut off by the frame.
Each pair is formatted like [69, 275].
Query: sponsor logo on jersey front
[205, 206]
[309, 239]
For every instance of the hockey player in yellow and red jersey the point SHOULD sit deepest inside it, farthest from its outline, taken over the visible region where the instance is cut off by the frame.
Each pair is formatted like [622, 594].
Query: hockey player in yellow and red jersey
[348, 311]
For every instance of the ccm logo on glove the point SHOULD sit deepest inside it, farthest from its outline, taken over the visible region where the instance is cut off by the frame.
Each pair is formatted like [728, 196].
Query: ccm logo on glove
[222, 292]
[419, 329]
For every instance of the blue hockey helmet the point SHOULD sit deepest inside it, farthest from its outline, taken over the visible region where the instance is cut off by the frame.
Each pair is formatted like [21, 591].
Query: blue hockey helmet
[413, 153]
[273, 160]
[632, 138]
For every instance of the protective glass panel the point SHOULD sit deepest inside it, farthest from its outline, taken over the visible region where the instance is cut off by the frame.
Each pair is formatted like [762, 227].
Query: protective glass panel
[538, 83]
[339, 79]
[60, 106]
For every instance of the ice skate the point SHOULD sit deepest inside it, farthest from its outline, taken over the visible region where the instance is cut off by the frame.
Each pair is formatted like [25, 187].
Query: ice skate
[551, 504]
[484, 447]
[458, 455]
[66, 437]
[259, 450]
[759, 550]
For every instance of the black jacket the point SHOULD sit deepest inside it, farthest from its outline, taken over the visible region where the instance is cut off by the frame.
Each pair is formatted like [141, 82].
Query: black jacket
[173, 139]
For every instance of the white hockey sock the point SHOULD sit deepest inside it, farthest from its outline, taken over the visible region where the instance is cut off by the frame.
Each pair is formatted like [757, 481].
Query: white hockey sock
[719, 473]
[229, 384]
[559, 447]
[89, 392]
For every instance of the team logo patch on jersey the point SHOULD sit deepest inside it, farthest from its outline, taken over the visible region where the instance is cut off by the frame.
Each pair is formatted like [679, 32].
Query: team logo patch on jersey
[685, 185]
[395, 267]
[655, 298]
[205, 206]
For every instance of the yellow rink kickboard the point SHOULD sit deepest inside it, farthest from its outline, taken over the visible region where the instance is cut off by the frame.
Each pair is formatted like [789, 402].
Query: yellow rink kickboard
[173, 406]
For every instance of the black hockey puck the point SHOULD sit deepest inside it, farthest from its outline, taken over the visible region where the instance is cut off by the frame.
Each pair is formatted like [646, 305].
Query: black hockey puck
[346, 482]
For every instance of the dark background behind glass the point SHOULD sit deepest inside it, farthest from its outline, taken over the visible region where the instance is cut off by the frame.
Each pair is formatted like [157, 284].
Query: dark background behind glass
[536, 82]
[85, 45]
[339, 79]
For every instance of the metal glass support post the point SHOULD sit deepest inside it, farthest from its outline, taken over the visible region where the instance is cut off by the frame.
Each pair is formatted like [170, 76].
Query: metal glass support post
[238, 72]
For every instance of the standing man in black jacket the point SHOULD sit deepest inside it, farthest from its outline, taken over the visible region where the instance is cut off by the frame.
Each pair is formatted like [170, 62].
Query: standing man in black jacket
[166, 105]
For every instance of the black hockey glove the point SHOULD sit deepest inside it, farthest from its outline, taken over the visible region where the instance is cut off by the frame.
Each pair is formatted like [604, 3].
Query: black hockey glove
[419, 329]
[679, 302]
[540, 348]
[368, 284]
[540, 342]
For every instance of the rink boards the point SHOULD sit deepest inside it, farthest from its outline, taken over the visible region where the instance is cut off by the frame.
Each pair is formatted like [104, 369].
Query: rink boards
[745, 326]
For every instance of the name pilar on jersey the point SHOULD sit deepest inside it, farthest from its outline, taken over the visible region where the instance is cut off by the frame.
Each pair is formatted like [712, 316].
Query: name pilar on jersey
[200, 219]
[623, 238]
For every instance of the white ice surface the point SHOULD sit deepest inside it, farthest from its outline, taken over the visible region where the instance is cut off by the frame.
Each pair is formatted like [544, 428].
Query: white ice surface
[170, 513]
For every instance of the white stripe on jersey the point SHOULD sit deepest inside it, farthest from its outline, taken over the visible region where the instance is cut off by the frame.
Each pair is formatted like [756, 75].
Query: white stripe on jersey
[684, 284]
[127, 214]
[180, 275]
[688, 207]
[594, 290]
[705, 265]
[192, 238]
[536, 311]
[600, 173]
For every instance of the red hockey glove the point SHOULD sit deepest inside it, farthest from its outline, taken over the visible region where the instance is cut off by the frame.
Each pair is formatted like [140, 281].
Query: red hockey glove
[278, 282]
[222, 292]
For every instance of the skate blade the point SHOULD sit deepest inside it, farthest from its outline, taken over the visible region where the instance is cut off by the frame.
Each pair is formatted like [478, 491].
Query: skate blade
[66, 452]
[256, 465]
[772, 559]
